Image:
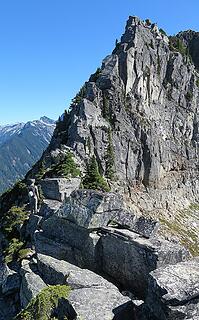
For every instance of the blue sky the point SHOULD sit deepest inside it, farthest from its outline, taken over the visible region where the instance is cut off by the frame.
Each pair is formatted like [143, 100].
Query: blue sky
[48, 48]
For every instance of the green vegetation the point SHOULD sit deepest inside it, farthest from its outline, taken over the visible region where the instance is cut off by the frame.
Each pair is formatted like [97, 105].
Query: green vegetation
[110, 158]
[189, 96]
[181, 227]
[10, 226]
[60, 125]
[23, 253]
[93, 179]
[61, 130]
[106, 109]
[163, 32]
[176, 44]
[66, 168]
[197, 82]
[117, 46]
[41, 171]
[194, 206]
[148, 22]
[44, 305]
[11, 222]
[79, 96]
[17, 196]
[12, 250]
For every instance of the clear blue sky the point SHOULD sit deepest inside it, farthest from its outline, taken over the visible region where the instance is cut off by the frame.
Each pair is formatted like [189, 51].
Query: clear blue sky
[48, 48]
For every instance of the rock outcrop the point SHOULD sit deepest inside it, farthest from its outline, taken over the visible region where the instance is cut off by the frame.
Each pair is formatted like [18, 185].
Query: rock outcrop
[173, 291]
[119, 217]
[138, 116]
[83, 236]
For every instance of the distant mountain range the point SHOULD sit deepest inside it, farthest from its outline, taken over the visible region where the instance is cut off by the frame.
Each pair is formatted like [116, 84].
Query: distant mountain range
[21, 145]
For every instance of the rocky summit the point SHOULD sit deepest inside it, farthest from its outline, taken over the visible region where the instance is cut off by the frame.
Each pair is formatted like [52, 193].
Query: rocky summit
[116, 235]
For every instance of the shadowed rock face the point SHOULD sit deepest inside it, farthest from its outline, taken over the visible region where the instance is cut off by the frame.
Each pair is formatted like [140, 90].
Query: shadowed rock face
[191, 39]
[173, 291]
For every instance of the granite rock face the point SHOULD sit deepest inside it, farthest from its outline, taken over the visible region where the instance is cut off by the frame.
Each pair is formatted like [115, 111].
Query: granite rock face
[49, 207]
[138, 117]
[173, 291]
[11, 282]
[91, 209]
[143, 106]
[58, 189]
[191, 40]
[31, 284]
[92, 297]
[83, 237]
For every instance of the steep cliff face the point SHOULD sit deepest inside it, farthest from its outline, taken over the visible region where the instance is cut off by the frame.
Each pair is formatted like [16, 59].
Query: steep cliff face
[138, 115]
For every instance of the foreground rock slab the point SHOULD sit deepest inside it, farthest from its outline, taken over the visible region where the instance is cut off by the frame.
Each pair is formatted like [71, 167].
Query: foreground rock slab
[31, 284]
[174, 291]
[92, 297]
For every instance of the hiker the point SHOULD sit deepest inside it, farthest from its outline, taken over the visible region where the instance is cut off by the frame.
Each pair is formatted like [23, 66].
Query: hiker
[33, 195]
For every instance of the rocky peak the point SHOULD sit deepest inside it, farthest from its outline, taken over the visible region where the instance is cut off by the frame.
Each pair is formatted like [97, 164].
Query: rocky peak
[191, 40]
[135, 25]
[120, 187]
[138, 116]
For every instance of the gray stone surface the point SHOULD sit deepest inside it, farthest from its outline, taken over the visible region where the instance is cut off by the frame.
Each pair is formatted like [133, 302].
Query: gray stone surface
[59, 188]
[130, 258]
[53, 248]
[56, 271]
[144, 105]
[84, 253]
[32, 225]
[3, 271]
[49, 207]
[91, 209]
[152, 98]
[98, 303]
[31, 285]
[173, 291]
[11, 282]
[92, 296]
[122, 254]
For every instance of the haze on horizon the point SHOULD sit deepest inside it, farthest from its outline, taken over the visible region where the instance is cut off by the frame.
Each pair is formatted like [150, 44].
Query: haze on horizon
[49, 49]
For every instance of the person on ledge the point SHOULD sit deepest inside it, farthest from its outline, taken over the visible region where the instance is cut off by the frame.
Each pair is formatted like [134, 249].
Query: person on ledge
[33, 195]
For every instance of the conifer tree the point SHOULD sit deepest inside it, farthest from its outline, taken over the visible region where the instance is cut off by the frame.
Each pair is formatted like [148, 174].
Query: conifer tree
[93, 179]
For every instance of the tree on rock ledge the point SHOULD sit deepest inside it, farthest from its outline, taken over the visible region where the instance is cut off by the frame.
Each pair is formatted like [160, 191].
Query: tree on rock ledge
[93, 179]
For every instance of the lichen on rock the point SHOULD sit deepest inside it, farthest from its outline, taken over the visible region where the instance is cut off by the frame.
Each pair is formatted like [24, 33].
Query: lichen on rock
[43, 306]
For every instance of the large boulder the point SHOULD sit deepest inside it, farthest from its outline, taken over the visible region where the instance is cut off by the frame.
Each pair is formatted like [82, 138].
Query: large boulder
[92, 297]
[173, 291]
[11, 282]
[59, 188]
[49, 207]
[130, 258]
[119, 253]
[91, 209]
[31, 284]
